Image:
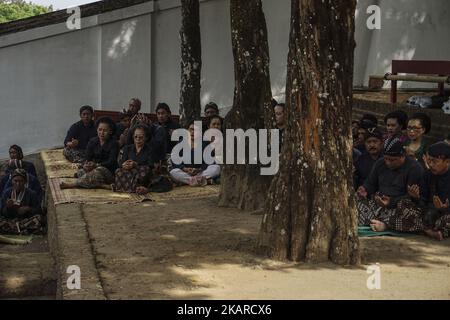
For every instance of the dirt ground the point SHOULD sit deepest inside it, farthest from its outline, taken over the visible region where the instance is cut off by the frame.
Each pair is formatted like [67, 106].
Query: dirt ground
[195, 250]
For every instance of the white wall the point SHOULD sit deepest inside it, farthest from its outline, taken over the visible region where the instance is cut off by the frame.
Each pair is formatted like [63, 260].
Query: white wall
[47, 73]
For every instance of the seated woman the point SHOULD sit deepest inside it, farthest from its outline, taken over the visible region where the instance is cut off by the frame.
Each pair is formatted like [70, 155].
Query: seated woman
[396, 122]
[79, 135]
[32, 183]
[20, 209]
[101, 159]
[136, 161]
[16, 162]
[416, 145]
[194, 174]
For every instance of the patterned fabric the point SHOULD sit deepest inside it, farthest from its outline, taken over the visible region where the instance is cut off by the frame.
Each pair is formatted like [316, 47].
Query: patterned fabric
[74, 155]
[95, 178]
[128, 180]
[31, 225]
[406, 217]
[443, 224]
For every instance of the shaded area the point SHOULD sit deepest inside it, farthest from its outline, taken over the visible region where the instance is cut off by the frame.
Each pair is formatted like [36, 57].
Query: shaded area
[191, 249]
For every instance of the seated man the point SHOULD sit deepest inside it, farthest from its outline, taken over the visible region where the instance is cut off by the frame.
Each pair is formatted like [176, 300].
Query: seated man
[385, 199]
[163, 114]
[366, 123]
[374, 150]
[211, 109]
[79, 135]
[435, 192]
[20, 209]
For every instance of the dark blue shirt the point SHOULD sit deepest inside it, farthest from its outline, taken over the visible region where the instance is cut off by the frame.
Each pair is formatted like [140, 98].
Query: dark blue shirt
[27, 166]
[393, 183]
[30, 199]
[363, 167]
[433, 185]
[144, 158]
[82, 133]
[168, 126]
[32, 183]
[201, 166]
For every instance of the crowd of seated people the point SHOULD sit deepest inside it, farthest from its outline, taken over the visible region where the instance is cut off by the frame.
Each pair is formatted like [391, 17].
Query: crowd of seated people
[402, 181]
[127, 156]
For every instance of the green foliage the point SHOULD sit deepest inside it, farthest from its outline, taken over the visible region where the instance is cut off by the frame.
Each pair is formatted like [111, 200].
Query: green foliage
[19, 9]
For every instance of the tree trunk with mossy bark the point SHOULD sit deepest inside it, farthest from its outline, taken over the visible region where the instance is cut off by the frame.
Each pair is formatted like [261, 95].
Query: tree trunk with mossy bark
[191, 61]
[310, 212]
[243, 186]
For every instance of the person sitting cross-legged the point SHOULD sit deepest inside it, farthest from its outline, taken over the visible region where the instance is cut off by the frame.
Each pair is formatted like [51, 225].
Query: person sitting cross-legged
[136, 161]
[191, 173]
[20, 208]
[435, 192]
[101, 159]
[385, 199]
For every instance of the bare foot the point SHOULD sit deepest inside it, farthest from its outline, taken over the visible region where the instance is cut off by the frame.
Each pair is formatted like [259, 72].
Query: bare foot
[377, 225]
[434, 234]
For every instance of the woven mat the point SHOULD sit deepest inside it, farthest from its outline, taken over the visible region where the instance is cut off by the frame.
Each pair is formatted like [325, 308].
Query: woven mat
[90, 195]
[107, 196]
[56, 165]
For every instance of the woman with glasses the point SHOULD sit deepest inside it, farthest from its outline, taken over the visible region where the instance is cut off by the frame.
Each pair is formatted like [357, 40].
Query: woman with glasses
[416, 145]
[136, 161]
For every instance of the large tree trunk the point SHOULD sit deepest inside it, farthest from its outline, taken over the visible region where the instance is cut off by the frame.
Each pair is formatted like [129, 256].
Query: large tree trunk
[191, 61]
[242, 186]
[310, 211]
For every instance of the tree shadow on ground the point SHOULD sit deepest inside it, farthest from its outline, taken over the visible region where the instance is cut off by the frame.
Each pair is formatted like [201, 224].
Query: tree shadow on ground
[175, 250]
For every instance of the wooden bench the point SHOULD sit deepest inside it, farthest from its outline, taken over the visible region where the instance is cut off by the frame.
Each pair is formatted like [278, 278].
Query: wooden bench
[115, 115]
[423, 67]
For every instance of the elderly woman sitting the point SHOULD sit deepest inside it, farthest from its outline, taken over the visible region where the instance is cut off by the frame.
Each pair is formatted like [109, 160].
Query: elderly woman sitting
[101, 159]
[136, 161]
[20, 208]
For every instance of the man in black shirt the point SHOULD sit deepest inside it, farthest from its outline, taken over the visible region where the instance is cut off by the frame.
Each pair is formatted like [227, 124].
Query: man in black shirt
[79, 135]
[373, 141]
[163, 113]
[385, 198]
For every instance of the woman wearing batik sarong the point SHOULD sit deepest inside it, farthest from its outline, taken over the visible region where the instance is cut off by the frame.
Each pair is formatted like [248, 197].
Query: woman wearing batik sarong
[16, 162]
[135, 163]
[79, 135]
[385, 200]
[101, 159]
[20, 208]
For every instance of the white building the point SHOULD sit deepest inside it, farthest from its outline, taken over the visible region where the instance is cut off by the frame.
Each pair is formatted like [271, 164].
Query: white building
[47, 71]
